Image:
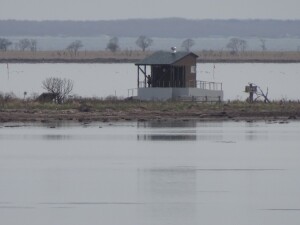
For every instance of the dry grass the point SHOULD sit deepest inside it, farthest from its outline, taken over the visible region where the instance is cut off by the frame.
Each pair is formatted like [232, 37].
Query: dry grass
[251, 56]
[97, 104]
[125, 56]
[81, 55]
[17, 110]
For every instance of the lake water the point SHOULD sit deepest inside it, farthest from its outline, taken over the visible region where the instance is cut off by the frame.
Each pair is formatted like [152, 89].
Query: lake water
[102, 80]
[150, 173]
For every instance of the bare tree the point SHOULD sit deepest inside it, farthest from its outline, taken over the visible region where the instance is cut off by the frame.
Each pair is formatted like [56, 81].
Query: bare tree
[61, 88]
[4, 44]
[187, 44]
[259, 93]
[235, 45]
[74, 47]
[27, 44]
[243, 45]
[263, 44]
[144, 42]
[24, 44]
[113, 44]
[33, 45]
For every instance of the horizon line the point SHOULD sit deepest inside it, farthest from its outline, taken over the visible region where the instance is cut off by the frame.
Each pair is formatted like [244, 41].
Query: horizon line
[158, 18]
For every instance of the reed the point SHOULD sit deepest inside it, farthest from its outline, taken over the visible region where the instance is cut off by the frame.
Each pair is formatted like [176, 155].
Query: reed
[133, 56]
[9, 101]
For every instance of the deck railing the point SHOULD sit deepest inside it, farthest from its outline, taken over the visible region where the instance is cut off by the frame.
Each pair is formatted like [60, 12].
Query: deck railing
[162, 84]
[132, 92]
[205, 85]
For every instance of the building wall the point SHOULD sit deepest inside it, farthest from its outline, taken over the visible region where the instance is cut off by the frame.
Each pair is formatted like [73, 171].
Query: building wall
[190, 76]
[180, 92]
[163, 94]
[152, 94]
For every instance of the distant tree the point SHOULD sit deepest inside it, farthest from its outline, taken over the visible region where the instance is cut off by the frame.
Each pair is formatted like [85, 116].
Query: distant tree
[33, 45]
[263, 44]
[187, 44]
[4, 44]
[27, 44]
[74, 47]
[144, 42]
[243, 45]
[113, 44]
[236, 45]
[60, 88]
[24, 44]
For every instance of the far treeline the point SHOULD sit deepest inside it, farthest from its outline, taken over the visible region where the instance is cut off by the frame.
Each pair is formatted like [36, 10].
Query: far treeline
[25, 44]
[164, 28]
[234, 46]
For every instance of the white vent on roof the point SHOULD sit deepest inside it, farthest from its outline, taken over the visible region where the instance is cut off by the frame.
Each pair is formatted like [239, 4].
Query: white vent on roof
[173, 50]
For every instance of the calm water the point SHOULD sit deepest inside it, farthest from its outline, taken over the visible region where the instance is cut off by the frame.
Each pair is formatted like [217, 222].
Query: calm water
[102, 80]
[152, 173]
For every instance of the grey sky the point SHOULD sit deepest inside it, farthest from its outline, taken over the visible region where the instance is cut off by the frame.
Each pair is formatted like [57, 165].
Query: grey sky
[123, 9]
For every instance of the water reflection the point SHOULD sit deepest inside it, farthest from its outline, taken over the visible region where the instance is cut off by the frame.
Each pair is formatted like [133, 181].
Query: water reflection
[106, 174]
[164, 130]
[157, 130]
[255, 135]
[255, 131]
[171, 195]
[166, 137]
[56, 137]
[179, 130]
[167, 123]
[30, 137]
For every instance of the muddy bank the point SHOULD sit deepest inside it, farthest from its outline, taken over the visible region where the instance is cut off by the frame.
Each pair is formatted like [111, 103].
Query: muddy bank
[46, 116]
[84, 110]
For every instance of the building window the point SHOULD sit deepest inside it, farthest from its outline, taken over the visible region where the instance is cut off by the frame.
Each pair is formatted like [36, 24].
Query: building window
[193, 69]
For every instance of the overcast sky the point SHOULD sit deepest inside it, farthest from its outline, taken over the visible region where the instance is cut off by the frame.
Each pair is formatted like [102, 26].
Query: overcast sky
[124, 9]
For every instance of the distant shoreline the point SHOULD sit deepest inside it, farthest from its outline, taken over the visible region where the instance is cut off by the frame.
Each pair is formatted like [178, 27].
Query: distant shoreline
[135, 56]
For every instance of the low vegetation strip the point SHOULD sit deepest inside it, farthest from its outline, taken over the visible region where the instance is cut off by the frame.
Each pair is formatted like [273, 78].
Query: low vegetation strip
[134, 56]
[88, 110]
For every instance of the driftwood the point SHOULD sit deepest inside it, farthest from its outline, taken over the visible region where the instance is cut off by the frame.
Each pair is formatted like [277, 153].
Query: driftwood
[260, 93]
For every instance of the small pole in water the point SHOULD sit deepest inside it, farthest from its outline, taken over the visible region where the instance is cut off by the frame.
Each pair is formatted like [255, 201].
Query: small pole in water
[7, 71]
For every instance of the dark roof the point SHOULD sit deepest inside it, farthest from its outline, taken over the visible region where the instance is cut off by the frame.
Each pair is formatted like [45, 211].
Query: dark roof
[164, 58]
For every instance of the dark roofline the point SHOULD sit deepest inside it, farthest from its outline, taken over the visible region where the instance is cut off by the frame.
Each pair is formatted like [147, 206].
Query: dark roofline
[188, 53]
[183, 54]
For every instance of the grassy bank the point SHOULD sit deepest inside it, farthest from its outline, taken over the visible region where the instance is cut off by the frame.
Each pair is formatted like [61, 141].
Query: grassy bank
[16, 110]
[133, 56]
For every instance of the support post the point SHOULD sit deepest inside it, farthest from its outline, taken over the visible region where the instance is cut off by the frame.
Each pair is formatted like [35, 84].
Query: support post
[251, 94]
[138, 77]
[145, 73]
